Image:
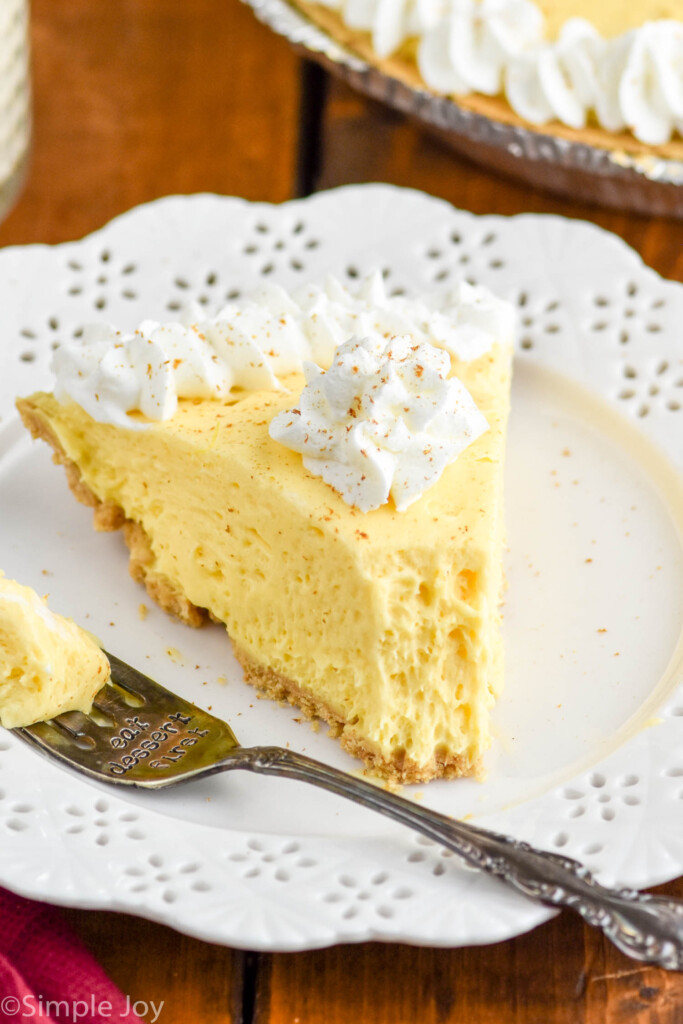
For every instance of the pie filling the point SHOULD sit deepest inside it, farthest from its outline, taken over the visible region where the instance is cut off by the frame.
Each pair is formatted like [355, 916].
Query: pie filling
[345, 524]
[47, 664]
[388, 621]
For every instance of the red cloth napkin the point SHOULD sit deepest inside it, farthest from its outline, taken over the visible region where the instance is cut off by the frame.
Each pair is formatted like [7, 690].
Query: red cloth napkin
[47, 974]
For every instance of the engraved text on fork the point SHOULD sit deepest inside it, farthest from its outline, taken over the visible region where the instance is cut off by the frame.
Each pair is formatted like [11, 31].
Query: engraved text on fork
[165, 744]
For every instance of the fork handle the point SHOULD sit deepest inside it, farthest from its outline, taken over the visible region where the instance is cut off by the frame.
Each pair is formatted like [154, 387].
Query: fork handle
[645, 927]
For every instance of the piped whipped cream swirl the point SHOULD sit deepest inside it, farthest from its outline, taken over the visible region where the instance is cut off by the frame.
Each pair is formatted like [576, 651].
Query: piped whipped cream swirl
[253, 342]
[384, 420]
[632, 81]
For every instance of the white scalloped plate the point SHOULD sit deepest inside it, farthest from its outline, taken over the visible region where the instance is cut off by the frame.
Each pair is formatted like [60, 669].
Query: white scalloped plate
[588, 755]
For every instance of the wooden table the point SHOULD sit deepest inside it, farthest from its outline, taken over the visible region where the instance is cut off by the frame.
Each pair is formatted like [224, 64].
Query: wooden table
[141, 98]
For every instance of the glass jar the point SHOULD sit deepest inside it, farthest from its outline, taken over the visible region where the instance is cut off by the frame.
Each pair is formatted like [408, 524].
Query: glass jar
[15, 98]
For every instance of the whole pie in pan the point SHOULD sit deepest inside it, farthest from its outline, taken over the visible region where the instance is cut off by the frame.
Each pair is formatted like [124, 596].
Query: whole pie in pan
[608, 74]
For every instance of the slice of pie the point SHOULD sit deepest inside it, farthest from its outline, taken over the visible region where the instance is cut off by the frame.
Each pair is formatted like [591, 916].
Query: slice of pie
[384, 623]
[606, 74]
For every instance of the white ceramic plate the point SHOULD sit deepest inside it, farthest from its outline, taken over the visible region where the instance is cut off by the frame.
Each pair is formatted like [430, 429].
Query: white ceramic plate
[589, 734]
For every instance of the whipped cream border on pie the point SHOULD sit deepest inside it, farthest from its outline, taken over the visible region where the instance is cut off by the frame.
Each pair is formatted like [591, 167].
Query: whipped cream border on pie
[632, 82]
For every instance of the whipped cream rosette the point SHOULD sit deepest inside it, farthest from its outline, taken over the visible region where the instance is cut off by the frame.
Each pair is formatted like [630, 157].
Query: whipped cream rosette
[384, 421]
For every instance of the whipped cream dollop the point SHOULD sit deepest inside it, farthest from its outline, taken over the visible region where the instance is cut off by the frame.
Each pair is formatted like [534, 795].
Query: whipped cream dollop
[632, 81]
[110, 373]
[253, 342]
[384, 420]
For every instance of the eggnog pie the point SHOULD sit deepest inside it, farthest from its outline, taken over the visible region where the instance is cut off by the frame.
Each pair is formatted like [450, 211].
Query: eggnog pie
[322, 472]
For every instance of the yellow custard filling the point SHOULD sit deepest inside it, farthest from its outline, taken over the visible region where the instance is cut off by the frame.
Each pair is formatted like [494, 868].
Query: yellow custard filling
[48, 665]
[610, 17]
[391, 620]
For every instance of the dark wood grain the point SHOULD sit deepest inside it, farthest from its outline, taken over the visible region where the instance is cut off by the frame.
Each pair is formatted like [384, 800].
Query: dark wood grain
[134, 100]
[561, 973]
[196, 981]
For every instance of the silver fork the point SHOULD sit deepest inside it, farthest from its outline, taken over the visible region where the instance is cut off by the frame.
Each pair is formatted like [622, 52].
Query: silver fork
[140, 734]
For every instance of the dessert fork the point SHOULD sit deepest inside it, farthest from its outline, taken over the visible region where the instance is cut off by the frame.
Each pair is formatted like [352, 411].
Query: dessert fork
[140, 734]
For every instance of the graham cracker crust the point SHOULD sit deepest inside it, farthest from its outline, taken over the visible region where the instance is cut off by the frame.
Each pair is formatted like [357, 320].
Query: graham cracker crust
[107, 516]
[397, 768]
